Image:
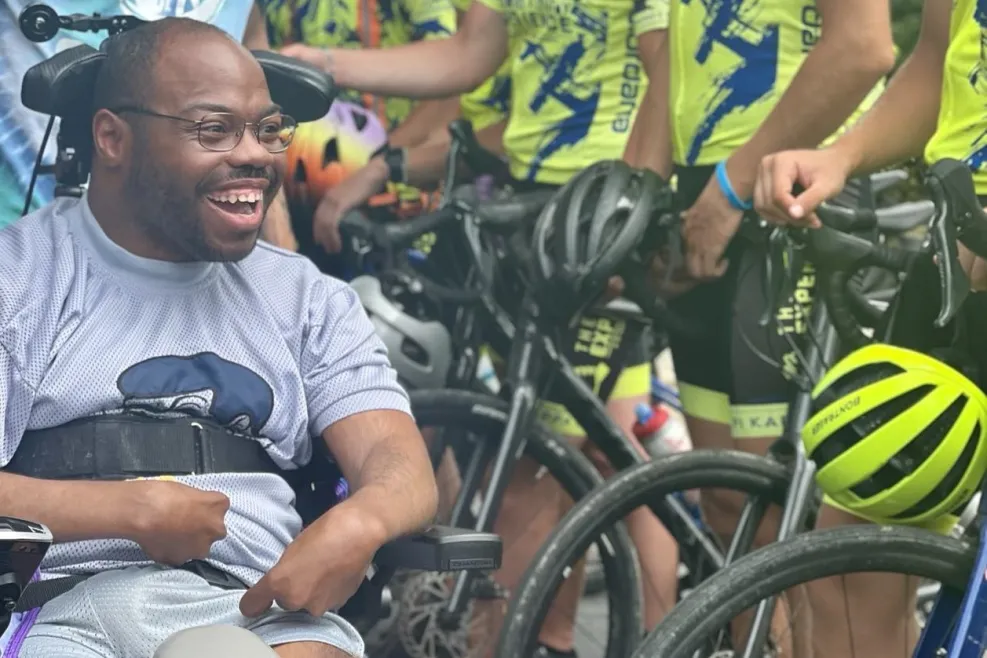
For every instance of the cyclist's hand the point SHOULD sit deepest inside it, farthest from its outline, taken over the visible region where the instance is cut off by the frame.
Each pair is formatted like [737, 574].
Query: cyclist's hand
[349, 194]
[319, 57]
[670, 281]
[821, 173]
[708, 226]
[319, 571]
[975, 268]
[179, 523]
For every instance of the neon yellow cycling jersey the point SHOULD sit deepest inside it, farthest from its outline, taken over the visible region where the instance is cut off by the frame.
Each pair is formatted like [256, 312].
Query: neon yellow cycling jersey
[731, 60]
[361, 24]
[577, 81]
[488, 103]
[962, 129]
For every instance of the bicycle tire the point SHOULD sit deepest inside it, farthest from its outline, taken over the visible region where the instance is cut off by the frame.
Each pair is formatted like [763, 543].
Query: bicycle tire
[778, 567]
[607, 506]
[570, 468]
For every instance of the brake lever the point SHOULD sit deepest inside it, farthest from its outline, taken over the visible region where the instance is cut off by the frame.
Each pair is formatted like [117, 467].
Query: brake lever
[953, 282]
[774, 274]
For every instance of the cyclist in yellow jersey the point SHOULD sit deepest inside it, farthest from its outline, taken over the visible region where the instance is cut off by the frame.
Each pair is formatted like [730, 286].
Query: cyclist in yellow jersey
[935, 106]
[748, 78]
[578, 81]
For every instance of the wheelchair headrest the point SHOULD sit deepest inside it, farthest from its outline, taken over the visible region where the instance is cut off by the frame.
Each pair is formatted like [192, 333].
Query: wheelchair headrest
[63, 84]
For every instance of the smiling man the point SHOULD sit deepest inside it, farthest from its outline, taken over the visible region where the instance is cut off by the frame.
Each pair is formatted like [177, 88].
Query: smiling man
[149, 301]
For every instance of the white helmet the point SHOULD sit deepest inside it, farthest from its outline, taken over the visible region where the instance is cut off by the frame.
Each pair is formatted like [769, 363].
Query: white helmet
[419, 348]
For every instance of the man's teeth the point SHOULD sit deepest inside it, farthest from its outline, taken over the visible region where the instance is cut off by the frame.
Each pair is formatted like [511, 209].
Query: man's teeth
[243, 197]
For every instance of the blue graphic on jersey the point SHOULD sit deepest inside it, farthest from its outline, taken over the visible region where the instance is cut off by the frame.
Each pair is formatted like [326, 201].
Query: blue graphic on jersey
[978, 80]
[559, 82]
[754, 77]
[499, 98]
[203, 385]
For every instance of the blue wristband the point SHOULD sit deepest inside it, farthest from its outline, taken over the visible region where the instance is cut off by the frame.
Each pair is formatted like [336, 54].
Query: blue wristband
[727, 188]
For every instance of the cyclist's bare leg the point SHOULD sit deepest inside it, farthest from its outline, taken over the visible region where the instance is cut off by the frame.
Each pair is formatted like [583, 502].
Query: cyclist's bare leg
[860, 615]
[656, 547]
[722, 508]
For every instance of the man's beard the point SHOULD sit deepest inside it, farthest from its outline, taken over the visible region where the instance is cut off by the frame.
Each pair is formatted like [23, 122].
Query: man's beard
[170, 216]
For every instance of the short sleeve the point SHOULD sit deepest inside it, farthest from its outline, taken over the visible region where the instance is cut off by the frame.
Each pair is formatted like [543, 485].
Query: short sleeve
[462, 5]
[344, 364]
[431, 19]
[16, 400]
[649, 15]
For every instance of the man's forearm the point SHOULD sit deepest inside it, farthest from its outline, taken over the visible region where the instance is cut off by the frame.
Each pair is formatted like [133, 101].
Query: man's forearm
[424, 119]
[73, 511]
[396, 492]
[829, 86]
[650, 142]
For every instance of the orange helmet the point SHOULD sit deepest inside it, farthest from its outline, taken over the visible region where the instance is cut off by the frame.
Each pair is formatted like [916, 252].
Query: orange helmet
[324, 152]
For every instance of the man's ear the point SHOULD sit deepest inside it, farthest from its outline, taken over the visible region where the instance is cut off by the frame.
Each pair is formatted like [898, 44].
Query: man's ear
[112, 138]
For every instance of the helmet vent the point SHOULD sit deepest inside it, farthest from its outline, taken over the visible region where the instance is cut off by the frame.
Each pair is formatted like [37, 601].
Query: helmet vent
[854, 432]
[331, 152]
[914, 454]
[952, 480]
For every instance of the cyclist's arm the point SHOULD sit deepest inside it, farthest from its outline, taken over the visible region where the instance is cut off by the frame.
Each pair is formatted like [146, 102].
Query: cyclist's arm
[276, 228]
[427, 69]
[255, 36]
[854, 51]
[650, 142]
[425, 117]
[904, 117]
[426, 163]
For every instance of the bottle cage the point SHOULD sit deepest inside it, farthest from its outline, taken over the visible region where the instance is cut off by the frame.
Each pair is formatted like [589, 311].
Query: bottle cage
[62, 87]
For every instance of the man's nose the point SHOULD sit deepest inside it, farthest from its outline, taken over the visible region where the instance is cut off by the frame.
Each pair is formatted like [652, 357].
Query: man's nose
[250, 152]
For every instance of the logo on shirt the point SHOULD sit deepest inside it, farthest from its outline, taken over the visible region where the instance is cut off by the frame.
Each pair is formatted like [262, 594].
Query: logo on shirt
[203, 385]
[729, 26]
[978, 80]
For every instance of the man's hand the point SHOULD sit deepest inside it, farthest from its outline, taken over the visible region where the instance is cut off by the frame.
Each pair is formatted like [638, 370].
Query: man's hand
[320, 570]
[319, 57]
[178, 523]
[708, 226]
[822, 174]
[349, 194]
[670, 283]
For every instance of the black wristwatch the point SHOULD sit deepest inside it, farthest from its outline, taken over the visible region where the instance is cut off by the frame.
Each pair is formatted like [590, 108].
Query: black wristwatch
[395, 159]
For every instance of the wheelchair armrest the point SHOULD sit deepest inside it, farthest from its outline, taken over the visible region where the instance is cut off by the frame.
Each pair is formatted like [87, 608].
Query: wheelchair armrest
[302, 90]
[442, 548]
[61, 84]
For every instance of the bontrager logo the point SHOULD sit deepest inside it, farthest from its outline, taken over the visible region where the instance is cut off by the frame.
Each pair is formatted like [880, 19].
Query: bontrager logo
[835, 413]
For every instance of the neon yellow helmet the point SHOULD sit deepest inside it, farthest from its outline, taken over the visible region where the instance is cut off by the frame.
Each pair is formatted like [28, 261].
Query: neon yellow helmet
[901, 438]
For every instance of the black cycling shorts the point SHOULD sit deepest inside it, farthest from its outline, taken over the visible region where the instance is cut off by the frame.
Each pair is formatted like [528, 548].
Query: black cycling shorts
[737, 372]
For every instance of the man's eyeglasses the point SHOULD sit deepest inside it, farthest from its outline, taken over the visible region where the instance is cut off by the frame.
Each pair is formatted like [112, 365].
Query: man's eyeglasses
[222, 131]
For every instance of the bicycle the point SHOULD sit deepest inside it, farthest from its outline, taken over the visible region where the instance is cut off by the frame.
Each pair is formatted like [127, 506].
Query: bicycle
[783, 478]
[958, 618]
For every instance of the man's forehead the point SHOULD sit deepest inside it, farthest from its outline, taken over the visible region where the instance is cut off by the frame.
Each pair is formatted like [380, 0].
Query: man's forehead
[209, 70]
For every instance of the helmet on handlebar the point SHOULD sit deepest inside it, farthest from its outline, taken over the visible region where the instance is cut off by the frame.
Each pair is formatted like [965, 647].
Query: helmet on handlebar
[588, 229]
[323, 153]
[418, 344]
[900, 438]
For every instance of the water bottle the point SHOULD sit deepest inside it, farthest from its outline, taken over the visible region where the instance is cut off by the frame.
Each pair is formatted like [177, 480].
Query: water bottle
[663, 434]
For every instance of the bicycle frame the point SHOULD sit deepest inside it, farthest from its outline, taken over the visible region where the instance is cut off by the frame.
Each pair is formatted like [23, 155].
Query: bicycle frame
[959, 618]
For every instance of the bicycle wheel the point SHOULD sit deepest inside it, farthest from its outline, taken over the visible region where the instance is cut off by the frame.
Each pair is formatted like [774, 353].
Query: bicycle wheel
[606, 507]
[778, 567]
[485, 417]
